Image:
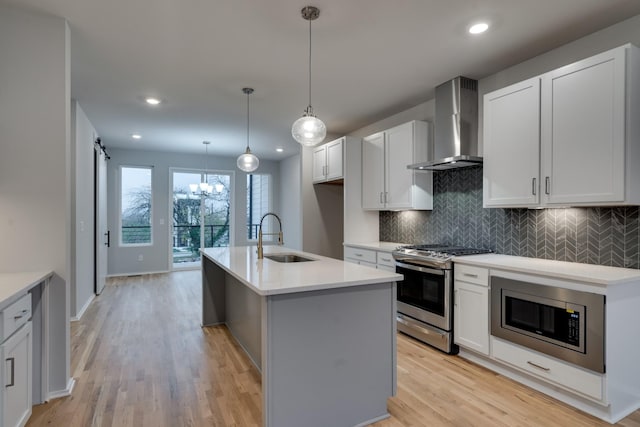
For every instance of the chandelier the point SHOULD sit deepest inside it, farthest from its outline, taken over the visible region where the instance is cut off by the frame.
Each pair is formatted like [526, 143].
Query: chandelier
[203, 189]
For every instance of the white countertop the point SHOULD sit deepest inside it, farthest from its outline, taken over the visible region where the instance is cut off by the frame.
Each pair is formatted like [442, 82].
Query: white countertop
[268, 277]
[14, 285]
[588, 273]
[378, 246]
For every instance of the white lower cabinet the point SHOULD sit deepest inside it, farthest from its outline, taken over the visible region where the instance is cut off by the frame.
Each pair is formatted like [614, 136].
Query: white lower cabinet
[382, 260]
[16, 355]
[562, 374]
[471, 308]
[15, 402]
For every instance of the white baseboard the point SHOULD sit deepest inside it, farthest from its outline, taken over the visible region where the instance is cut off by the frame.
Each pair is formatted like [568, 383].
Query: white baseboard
[62, 393]
[84, 308]
[137, 273]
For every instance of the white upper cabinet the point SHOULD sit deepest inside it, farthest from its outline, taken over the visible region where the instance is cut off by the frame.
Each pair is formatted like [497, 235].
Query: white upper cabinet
[512, 145]
[328, 161]
[386, 181]
[582, 129]
[373, 165]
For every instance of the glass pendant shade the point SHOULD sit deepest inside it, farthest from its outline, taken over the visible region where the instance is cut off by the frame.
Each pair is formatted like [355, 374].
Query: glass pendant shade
[308, 130]
[248, 162]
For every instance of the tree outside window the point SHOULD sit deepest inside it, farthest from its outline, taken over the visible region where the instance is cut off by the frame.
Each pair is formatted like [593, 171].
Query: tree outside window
[135, 205]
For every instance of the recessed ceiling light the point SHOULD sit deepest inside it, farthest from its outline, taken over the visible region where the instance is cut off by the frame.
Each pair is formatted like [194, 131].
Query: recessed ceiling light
[479, 28]
[153, 101]
[136, 136]
[279, 149]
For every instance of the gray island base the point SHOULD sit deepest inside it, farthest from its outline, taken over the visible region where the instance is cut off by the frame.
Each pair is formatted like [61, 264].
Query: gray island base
[322, 333]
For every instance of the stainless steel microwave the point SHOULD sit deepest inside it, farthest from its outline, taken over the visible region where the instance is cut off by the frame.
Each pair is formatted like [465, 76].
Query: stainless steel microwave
[564, 323]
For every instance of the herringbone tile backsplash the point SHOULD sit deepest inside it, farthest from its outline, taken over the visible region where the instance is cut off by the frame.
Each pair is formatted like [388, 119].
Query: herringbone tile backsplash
[605, 236]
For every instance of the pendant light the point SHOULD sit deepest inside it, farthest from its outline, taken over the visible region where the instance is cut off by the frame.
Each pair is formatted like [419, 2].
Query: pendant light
[247, 162]
[204, 189]
[309, 130]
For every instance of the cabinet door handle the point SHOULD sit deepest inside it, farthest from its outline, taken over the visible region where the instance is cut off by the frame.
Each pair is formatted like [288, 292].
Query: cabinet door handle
[455, 297]
[381, 198]
[470, 275]
[538, 366]
[386, 197]
[21, 315]
[533, 186]
[547, 185]
[12, 375]
[359, 255]
[108, 242]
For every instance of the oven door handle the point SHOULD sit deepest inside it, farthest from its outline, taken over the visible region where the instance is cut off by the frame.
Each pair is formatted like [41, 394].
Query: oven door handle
[438, 272]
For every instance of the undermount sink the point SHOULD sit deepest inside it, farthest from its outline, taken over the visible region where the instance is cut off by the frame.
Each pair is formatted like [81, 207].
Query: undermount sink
[288, 258]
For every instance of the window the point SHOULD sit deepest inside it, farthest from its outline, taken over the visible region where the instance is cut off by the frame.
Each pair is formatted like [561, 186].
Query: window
[199, 222]
[135, 205]
[258, 204]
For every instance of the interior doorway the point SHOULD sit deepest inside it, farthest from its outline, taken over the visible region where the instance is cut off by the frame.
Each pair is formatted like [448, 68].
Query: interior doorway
[102, 233]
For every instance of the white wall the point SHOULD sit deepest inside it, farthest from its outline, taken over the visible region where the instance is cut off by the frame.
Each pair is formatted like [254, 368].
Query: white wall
[290, 202]
[82, 277]
[361, 225]
[35, 161]
[124, 260]
[322, 212]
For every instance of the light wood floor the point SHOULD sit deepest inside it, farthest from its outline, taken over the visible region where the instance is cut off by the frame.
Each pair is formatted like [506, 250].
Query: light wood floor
[140, 358]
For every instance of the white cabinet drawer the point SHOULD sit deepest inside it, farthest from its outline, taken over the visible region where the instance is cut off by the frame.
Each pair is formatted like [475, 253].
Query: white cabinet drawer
[385, 258]
[467, 273]
[386, 268]
[367, 264]
[360, 254]
[563, 374]
[14, 316]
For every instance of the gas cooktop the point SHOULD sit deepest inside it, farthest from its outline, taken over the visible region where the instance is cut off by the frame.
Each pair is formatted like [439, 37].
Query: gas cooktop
[433, 255]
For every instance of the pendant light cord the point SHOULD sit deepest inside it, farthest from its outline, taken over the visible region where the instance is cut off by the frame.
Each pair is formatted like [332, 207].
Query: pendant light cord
[309, 62]
[248, 93]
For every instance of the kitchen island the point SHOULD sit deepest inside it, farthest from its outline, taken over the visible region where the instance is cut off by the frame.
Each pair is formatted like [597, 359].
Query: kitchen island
[322, 332]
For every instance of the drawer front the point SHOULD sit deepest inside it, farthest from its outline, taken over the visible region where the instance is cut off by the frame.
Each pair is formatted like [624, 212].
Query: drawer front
[542, 366]
[470, 274]
[366, 255]
[385, 258]
[386, 268]
[16, 315]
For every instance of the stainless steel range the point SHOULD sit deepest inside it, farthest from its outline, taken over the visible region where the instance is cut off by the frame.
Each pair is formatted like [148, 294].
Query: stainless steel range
[424, 296]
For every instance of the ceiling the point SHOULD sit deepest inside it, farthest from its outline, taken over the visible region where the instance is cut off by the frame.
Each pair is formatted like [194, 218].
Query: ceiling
[370, 59]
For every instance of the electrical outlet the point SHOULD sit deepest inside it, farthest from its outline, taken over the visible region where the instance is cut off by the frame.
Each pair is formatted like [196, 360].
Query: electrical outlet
[140, 257]
[161, 221]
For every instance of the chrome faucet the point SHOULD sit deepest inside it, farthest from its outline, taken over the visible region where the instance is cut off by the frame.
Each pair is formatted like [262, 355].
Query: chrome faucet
[280, 242]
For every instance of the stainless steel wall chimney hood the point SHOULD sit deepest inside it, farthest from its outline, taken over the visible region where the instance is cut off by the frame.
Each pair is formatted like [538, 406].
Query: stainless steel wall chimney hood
[456, 126]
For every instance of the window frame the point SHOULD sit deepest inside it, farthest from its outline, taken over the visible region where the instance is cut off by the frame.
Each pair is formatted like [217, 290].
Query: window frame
[121, 243]
[269, 209]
